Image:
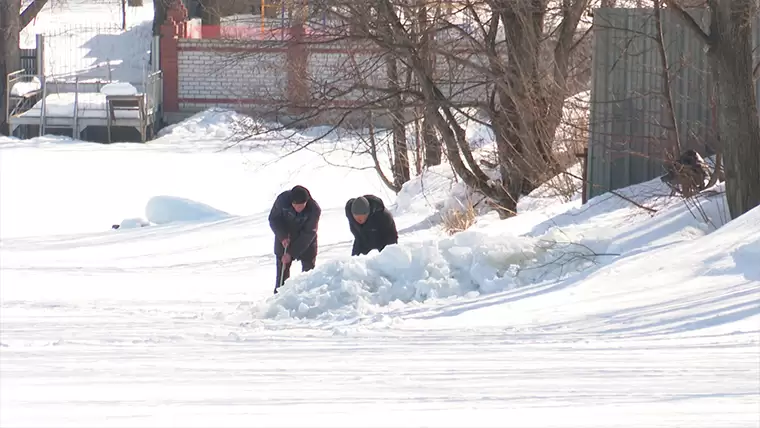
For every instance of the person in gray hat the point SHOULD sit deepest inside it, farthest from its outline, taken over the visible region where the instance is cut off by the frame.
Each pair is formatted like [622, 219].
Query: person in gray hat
[371, 224]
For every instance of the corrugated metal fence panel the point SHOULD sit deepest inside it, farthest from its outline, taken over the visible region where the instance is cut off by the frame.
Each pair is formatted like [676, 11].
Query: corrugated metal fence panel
[631, 131]
[29, 60]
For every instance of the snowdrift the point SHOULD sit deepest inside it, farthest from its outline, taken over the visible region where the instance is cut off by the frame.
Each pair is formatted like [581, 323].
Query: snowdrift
[170, 209]
[214, 123]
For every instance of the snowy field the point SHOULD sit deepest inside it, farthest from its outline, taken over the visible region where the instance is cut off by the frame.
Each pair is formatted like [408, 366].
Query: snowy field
[602, 315]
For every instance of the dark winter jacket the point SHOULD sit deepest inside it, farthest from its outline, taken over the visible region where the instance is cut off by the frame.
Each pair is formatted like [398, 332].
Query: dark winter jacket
[301, 227]
[377, 232]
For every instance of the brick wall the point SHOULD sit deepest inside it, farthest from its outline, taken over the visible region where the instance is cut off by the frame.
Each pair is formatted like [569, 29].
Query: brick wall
[227, 73]
[268, 71]
[348, 72]
[214, 72]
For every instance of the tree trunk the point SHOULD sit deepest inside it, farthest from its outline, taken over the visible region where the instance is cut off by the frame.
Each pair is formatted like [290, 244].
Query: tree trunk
[401, 172]
[433, 153]
[731, 55]
[518, 107]
[10, 58]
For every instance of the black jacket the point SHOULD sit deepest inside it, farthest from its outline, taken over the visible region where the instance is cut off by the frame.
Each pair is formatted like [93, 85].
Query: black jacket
[377, 232]
[300, 227]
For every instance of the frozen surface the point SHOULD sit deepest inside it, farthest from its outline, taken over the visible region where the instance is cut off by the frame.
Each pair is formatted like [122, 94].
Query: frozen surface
[602, 315]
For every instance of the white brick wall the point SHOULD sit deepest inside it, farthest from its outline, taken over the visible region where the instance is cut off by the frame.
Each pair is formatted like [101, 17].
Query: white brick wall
[338, 72]
[332, 68]
[229, 75]
[261, 73]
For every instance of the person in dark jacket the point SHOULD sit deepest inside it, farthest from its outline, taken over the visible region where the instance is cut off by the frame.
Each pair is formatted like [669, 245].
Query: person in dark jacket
[371, 224]
[294, 219]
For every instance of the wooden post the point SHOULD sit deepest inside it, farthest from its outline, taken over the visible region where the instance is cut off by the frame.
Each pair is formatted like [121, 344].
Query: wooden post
[583, 156]
[123, 15]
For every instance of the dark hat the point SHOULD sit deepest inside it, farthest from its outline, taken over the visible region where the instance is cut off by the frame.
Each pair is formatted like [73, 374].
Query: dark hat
[299, 195]
[360, 206]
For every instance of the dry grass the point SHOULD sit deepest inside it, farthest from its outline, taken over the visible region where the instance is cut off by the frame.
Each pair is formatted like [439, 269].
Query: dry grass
[459, 219]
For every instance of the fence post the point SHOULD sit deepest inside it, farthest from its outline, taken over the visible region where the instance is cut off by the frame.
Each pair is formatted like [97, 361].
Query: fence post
[40, 40]
[174, 28]
[169, 60]
[583, 156]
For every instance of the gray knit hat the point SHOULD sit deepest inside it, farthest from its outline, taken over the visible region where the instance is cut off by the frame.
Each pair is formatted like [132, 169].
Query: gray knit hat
[360, 206]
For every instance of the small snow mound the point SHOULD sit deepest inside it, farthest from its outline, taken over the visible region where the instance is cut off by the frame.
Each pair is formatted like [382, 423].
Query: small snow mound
[132, 223]
[118, 88]
[22, 88]
[169, 209]
[467, 263]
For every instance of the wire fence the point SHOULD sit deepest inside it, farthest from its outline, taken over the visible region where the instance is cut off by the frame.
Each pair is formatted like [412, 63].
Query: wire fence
[98, 51]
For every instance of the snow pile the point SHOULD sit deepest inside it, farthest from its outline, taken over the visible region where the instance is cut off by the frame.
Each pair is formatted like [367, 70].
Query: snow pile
[118, 89]
[467, 264]
[222, 124]
[132, 223]
[22, 88]
[170, 209]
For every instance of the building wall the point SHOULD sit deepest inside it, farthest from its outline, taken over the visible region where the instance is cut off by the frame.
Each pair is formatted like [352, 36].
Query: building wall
[212, 72]
[275, 74]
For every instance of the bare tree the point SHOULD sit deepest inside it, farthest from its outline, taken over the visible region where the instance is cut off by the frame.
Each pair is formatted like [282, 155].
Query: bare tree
[504, 59]
[509, 67]
[10, 60]
[730, 52]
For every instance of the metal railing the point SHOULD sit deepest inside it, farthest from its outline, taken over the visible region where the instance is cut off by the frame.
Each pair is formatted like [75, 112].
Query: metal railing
[13, 108]
[151, 90]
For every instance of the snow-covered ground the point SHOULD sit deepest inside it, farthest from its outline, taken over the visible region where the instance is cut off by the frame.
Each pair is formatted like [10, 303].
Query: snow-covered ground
[602, 315]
